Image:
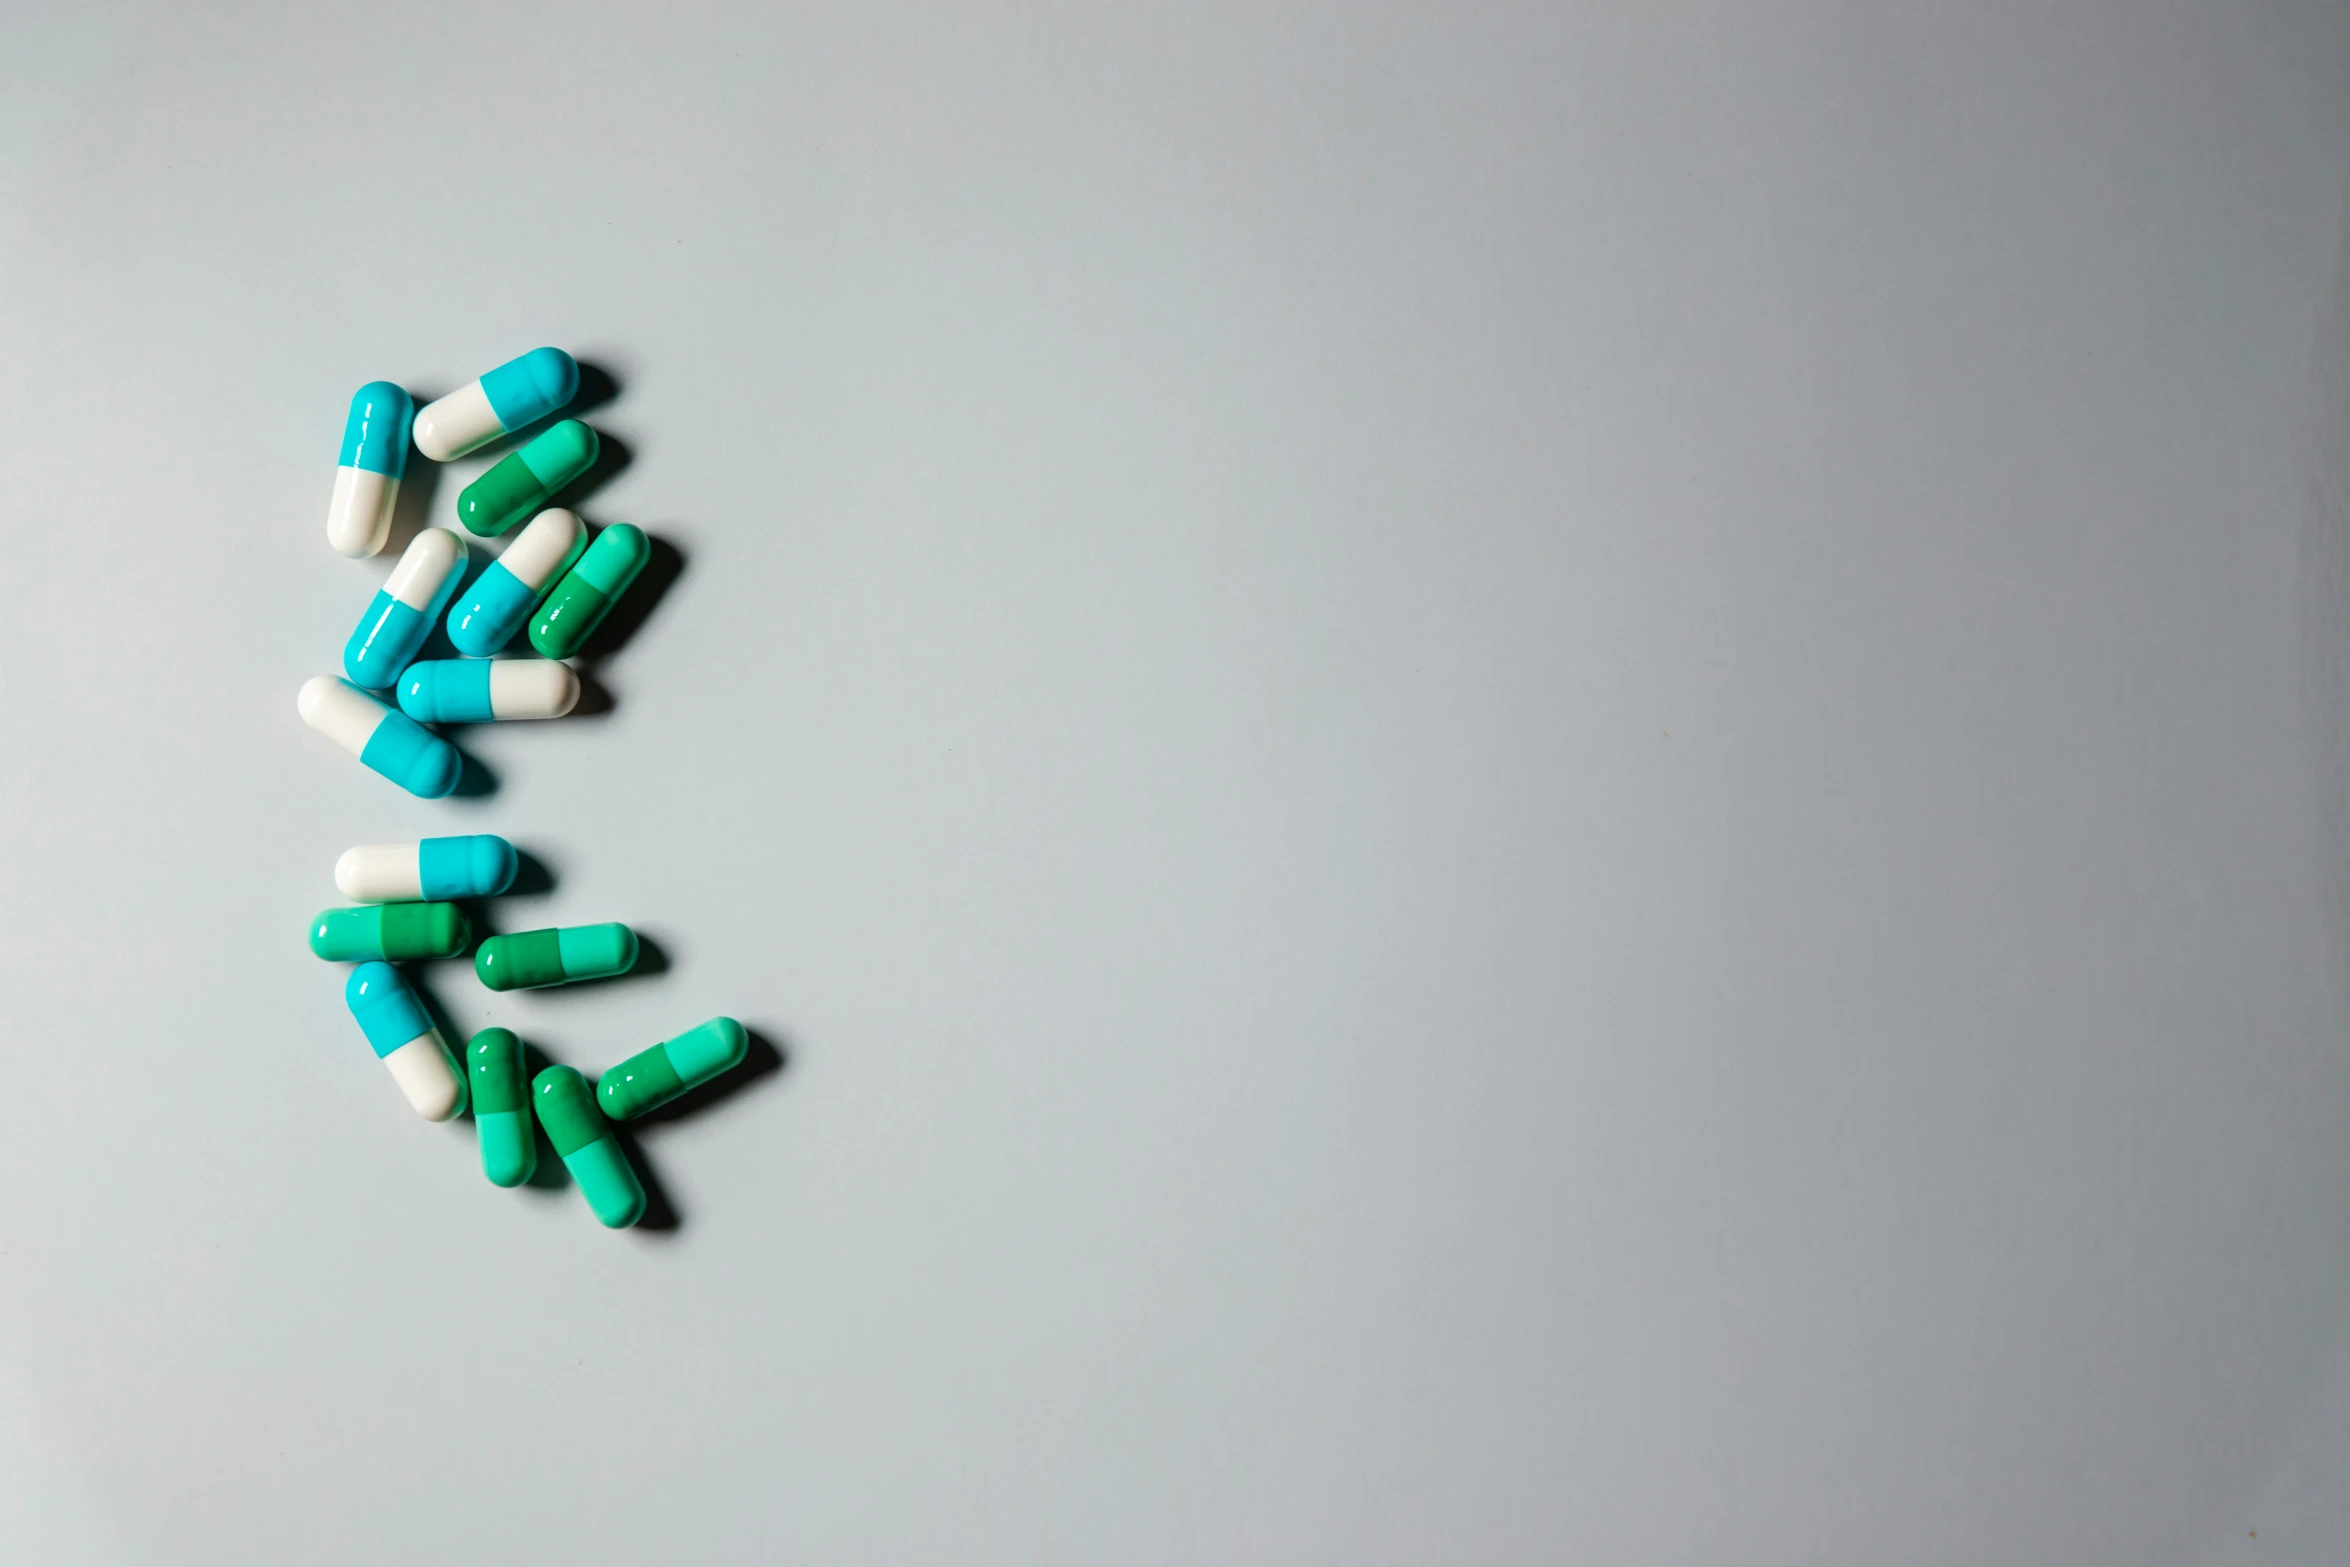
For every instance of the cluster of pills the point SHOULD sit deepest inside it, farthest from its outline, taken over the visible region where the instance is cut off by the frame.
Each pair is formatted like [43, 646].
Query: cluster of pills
[408, 898]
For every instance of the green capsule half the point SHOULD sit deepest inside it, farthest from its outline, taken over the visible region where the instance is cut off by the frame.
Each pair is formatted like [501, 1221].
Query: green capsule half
[651, 1078]
[532, 958]
[525, 480]
[588, 591]
[390, 932]
[567, 1109]
[501, 1107]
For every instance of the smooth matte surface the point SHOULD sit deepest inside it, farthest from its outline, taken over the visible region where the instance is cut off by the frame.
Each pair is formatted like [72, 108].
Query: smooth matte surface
[1566, 785]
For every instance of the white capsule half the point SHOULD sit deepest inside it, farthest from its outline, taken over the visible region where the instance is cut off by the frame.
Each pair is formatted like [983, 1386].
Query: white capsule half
[341, 711]
[456, 424]
[427, 1074]
[531, 688]
[424, 566]
[359, 518]
[380, 873]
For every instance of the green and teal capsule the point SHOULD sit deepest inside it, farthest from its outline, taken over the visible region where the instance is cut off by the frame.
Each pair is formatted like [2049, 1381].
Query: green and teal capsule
[651, 1078]
[390, 933]
[526, 480]
[501, 1107]
[533, 958]
[567, 1109]
[588, 591]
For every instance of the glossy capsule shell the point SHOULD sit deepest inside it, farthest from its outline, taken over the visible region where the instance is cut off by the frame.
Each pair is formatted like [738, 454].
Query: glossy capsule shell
[500, 600]
[501, 1107]
[390, 932]
[519, 392]
[401, 614]
[404, 1038]
[532, 958]
[589, 590]
[390, 742]
[487, 690]
[526, 480]
[651, 1078]
[581, 1135]
[367, 475]
[481, 865]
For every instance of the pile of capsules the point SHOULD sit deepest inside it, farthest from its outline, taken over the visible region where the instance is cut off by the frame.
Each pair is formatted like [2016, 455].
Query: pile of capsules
[409, 893]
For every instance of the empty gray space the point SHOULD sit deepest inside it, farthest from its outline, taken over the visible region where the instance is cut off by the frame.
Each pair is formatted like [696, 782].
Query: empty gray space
[1508, 784]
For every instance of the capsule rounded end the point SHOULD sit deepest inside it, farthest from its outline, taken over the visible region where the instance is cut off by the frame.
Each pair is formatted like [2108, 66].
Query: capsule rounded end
[554, 374]
[494, 864]
[368, 981]
[319, 946]
[489, 970]
[435, 771]
[317, 691]
[350, 873]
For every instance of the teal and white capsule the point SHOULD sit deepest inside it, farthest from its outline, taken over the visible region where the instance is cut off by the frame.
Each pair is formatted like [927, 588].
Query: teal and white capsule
[581, 1135]
[390, 742]
[500, 600]
[487, 690]
[401, 614]
[519, 392]
[501, 1107]
[367, 475]
[405, 1040]
[433, 870]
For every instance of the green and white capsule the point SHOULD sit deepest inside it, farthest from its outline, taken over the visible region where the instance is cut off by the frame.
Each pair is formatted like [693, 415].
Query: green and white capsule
[651, 1078]
[555, 957]
[588, 590]
[567, 1109]
[390, 933]
[526, 480]
[501, 1107]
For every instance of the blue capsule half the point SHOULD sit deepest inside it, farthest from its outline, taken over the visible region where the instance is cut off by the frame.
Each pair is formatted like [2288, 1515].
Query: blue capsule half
[400, 616]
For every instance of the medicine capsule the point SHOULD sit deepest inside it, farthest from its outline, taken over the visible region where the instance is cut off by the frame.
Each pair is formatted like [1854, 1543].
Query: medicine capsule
[588, 590]
[651, 1078]
[405, 1040]
[367, 475]
[401, 614]
[502, 596]
[501, 1107]
[524, 481]
[391, 743]
[590, 1152]
[519, 392]
[479, 866]
[533, 958]
[390, 932]
[483, 690]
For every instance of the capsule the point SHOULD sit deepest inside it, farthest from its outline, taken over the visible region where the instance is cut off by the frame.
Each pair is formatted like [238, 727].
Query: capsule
[391, 743]
[479, 866]
[524, 481]
[367, 475]
[405, 1040]
[567, 1109]
[483, 690]
[390, 932]
[487, 618]
[401, 614]
[588, 590]
[501, 1107]
[651, 1078]
[519, 392]
[532, 958]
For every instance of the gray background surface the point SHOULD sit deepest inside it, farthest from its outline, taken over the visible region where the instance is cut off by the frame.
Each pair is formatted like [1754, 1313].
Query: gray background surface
[1562, 784]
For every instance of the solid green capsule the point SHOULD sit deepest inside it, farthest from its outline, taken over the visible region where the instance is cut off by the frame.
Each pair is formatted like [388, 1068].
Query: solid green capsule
[390, 932]
[501, 1107]
[588, 591]
[652, 1078]
[567, 1109]
[555, 957]
[526, 480]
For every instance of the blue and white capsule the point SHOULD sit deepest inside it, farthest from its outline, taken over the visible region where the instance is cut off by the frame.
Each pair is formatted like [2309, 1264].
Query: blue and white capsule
[367, 475]
[435, 870]
[487, 690]
[519, 392]
[405, 1040]
[486, 619]
[401, 614]
[390, 742]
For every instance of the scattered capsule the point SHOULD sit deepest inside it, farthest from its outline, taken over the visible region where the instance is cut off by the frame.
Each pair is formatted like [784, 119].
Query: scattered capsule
[651, 1078]
[588, 590]
[390, 742]
[367, 475]
[526, 480]
[567, 1109]
[519, 392]
[532, 958]
[501, 1107]
[405, 1040]
[483, 690]
[487, 618]
[480, 866]
[401, 614]
[390, 932]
